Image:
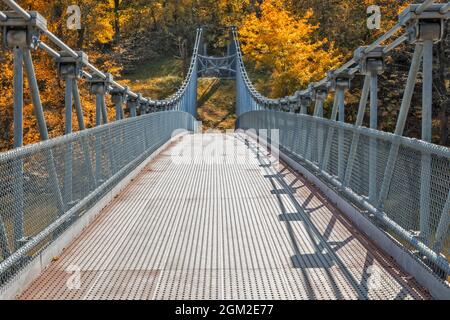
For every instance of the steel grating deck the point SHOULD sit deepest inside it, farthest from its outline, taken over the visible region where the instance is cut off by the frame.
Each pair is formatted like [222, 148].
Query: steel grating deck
[223, 230]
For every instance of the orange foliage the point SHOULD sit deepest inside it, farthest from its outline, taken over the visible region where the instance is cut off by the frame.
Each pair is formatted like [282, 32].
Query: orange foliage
[283, 45]
[97, 31]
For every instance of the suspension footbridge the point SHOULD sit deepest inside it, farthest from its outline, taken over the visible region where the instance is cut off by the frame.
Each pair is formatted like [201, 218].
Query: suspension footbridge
[292, 205]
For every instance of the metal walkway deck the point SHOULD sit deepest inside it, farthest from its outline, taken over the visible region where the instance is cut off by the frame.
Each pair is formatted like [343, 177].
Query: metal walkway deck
[223, 230]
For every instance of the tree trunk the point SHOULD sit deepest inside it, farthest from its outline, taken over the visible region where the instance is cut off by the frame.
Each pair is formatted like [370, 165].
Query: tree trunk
[58, 13]
[80, 38]
[184, 55]
[116, 21]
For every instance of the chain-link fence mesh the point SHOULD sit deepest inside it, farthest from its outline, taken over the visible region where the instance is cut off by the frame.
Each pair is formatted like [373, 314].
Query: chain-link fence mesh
[64, 177]
[407, 190]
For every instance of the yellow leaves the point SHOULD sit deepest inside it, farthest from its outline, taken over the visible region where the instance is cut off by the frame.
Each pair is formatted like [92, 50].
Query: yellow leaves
[99, 22]
[402, 7]
[231, 11]
[278, 42]
[309, 14]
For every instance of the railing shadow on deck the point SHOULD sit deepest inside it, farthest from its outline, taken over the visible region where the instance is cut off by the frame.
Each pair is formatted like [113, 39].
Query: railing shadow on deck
[321, 240]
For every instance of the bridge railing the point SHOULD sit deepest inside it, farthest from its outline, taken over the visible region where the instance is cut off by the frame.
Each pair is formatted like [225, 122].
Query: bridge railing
[23, 32]
[37, 202]
[46, 186]
[404, 183]
[221, 67]
[340, 152]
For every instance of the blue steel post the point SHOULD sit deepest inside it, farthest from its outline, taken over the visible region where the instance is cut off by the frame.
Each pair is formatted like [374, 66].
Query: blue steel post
[98, 144]
[43, 131]
[373, 150]
[68, 154]
[117, 99]
[103, 108]
[358, 123]
[330, 135]
[18, 143]
[340, 91]
[77, 102]
[401, 121]
[132, 106]
[305, 101]
[98, 88]
[317, 144]
[371, 65]
[81, 127]
[427, 102]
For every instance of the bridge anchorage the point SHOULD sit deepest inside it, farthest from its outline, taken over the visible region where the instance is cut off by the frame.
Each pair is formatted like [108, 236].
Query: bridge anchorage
[348, 213]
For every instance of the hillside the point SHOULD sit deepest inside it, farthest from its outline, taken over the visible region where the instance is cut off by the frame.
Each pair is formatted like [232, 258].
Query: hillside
[162, 77]
[216, 103]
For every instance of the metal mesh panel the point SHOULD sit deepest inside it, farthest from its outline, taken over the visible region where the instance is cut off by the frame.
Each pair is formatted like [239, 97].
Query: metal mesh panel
[326, 146]
[43, 182]
[402, 204]
[359, 180]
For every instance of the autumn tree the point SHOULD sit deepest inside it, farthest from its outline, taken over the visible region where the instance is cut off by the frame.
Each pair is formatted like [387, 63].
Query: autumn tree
[344, 21]
[287, 44]
[97, 31]
[282, 46]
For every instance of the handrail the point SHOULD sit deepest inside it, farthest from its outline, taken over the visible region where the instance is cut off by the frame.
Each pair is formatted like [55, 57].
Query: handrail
[414, 25]
[350, 66]
[63, 46]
